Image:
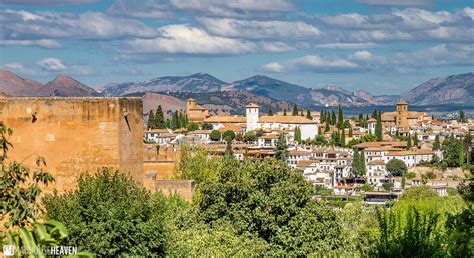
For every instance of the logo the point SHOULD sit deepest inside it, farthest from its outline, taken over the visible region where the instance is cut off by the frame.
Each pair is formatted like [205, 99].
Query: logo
[9, 250]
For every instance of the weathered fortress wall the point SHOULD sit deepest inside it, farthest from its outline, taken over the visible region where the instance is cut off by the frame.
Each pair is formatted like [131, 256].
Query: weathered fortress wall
[76, 135]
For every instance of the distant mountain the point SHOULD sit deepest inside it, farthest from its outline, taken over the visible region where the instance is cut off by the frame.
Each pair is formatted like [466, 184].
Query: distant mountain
[65, 86]
[333, 95]
[377, 100]
[272, 88]
[61, 86]
[200, 82]
[217, 102]
[454, 89]
[14, 85]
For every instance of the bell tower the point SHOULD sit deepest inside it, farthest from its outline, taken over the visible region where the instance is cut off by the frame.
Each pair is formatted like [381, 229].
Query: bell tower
[402, 114]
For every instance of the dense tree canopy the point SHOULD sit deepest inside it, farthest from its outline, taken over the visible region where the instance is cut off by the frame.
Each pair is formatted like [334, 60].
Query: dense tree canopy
[396, 167]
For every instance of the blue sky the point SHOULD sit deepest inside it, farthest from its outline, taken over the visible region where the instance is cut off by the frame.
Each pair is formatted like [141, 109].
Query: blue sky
[384, 47]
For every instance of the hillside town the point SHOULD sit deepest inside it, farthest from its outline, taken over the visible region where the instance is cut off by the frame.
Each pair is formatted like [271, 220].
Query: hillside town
[346, 156]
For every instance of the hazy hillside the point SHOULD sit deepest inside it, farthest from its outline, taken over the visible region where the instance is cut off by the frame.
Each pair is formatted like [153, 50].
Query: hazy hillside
[454, 89]
[200, 82]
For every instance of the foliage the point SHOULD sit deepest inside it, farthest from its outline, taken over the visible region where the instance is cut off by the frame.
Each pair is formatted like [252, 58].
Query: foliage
[228, 135]
[308, 115]
[195, 164]
[340, 117]
[396, 167]
[387, 186]
[206, 126]
[367, 188]
[110, 215]
[281, 148]
[295, 110]
[192, 127]
[19, 189]
[215, 135]
[270, 201]
[453, 152]
[156, 120]
[378, 127]
[298, 134]
[408, 234]
[411, 175]
[250, 136]
[270, 112]
[460, 231]
[228, 154]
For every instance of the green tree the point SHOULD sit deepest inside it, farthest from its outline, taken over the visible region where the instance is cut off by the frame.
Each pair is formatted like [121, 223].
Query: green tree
[284, 111]
[270, 112]
[215, 135]
[396, 167]
[192, 127]
[298, 134]
[340, 117]
[462, 117]
[362, 168]
[436, 144]
[356, 163]
[295, 110]
[415, 139]
[408, 234]
[195, 164]
[409, 142]
[151, 120]
[228, 154]
[19, 187]
[322, 117]
[281, 148]
[159, 119]
[342, 141]
[250, 136]
[206, 126]
[327, 128]
[379, 129]
[110, 215]
[228, 135]
[272, 202]
[333, 118]
[308, 115]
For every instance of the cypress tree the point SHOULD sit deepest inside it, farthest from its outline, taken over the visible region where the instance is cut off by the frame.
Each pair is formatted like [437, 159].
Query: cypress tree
[270, 112]
[284, 112]
[340, 117]
[281, 150]
[355, 162]
[301, 113]
[321, 117]
[308, 115]
[295, 110]
[159, 118]
[333, 118]
[415, 139]
[151, 120]
[327, 128]
[350, 132]
[409, 142]
[362, 168]
[228, 154]
[298, 134]
[379, 129]
[436, 144]
[319, 130]
[461, 152]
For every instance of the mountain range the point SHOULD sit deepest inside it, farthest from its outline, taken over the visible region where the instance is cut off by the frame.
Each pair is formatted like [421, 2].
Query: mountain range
[61, 86]
[271, 93]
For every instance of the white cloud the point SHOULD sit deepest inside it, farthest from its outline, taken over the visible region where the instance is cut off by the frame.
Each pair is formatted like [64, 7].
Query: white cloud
[51, 64]
[185, 39]
[235, 8]
[142, 9]
[44, 43]
[89, 25]
[347, 45]
[397, 2]
[259, 29]
[363, 55]
[18, 68]
[311, 63]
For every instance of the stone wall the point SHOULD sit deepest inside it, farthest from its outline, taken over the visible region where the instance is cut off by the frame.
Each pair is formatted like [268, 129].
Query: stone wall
[76, 135]
[184, 188]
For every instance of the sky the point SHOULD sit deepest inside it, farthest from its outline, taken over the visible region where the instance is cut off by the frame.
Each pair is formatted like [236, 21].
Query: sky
[381, 46]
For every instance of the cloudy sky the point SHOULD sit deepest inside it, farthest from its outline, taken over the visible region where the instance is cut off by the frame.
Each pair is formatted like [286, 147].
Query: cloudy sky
[381, 46]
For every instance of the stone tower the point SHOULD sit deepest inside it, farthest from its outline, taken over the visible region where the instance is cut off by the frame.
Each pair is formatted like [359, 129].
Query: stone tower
[252, 116]
[402, 114]
[190, 104]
